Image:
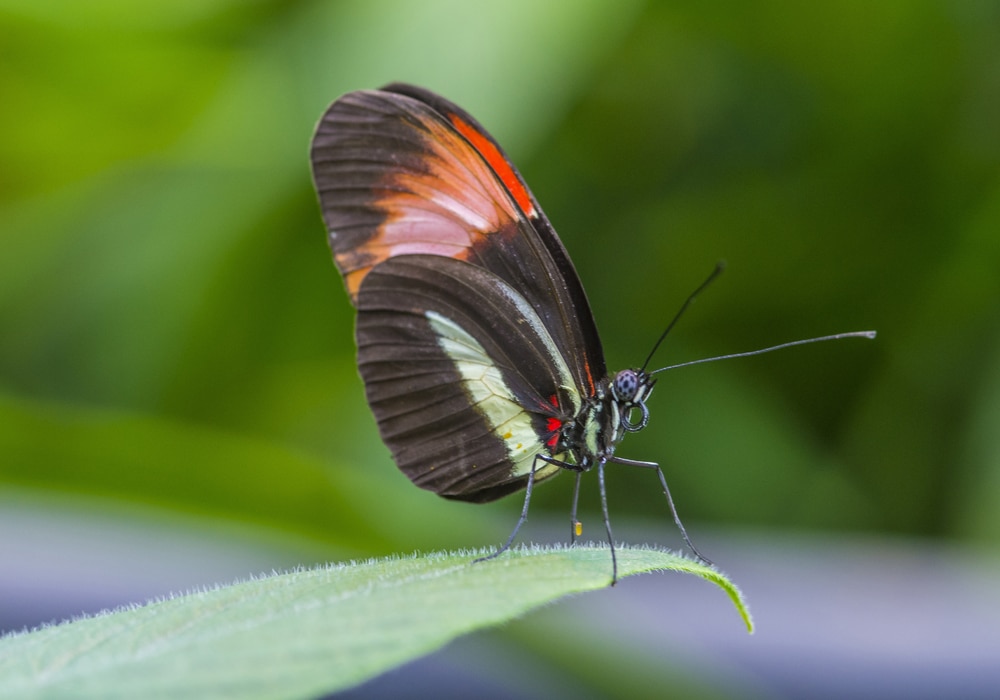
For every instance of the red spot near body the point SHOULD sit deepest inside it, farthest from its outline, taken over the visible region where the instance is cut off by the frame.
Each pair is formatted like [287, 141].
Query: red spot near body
[554, 426]
[554, 400]
[497, 162]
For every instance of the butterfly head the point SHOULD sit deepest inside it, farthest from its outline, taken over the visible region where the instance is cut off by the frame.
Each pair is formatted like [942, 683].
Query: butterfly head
[630, 389]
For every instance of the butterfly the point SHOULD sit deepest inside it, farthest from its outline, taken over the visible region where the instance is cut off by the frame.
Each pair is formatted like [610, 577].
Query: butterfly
[479, 353]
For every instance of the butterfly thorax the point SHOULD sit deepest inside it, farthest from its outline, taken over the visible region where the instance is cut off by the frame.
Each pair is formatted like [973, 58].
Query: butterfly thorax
[606, 416]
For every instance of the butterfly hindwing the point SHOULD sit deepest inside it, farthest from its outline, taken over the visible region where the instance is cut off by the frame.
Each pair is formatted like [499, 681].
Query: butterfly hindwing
[465, 381]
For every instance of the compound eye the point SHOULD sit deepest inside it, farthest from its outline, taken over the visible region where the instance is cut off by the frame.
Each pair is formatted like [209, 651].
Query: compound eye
[626, 385]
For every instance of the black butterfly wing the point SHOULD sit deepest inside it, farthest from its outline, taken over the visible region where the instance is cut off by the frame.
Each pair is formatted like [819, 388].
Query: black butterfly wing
[403, 171]
[461, 374]
[416, 194]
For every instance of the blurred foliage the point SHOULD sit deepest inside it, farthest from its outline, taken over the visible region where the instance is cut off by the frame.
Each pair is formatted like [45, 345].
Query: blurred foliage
[172, 330]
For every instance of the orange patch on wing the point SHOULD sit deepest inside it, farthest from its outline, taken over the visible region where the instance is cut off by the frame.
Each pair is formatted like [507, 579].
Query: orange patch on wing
[353, 280]
[591, 385]
[441, 209]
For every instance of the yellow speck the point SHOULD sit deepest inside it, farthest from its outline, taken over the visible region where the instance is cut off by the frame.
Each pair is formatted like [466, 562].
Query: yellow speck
[508, 435]
[578, 528]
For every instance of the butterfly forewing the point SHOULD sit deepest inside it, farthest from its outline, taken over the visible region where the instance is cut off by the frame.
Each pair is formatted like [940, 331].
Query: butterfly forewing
[392, 181]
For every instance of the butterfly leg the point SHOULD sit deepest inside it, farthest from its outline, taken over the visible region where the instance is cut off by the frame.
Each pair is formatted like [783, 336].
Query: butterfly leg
[607, 522]
[520, 520]
[527, 500]
[575, 527]
[670, 501]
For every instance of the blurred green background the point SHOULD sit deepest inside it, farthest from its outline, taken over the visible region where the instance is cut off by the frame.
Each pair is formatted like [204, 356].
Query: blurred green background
[176, 347]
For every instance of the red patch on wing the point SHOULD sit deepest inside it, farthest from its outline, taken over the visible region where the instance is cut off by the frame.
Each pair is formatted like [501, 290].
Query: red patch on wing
[488, 150]
[554, 426]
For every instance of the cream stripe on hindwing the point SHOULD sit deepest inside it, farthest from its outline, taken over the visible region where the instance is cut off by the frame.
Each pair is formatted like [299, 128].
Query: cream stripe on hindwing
[525, 312]
[485, 386]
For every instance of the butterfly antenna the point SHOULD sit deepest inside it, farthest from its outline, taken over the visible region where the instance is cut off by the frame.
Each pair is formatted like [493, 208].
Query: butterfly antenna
[835, 336]
[719, 267]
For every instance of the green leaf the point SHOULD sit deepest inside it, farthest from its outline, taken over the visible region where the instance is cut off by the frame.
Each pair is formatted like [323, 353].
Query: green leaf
[313, 631]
